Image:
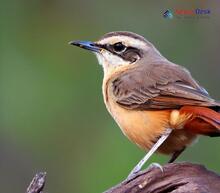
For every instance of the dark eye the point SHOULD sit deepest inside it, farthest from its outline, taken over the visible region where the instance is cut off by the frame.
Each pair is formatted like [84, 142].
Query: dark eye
[119, 47]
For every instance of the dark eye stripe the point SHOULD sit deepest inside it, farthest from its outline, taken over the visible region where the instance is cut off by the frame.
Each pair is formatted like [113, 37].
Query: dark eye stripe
[130, 54]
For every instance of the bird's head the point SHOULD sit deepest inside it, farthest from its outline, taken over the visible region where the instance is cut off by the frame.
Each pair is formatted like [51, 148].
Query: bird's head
[117, 49]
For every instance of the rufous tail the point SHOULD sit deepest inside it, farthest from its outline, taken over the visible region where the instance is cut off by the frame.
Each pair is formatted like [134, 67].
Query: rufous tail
[204, 121]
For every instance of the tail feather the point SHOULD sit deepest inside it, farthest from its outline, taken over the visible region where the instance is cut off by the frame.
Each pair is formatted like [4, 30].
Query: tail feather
[204, 121]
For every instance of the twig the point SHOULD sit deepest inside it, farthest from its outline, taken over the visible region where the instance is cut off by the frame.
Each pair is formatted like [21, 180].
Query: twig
[37, 183]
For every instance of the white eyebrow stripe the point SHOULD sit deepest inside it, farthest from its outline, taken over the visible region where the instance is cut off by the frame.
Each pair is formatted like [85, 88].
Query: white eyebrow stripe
[128, 41]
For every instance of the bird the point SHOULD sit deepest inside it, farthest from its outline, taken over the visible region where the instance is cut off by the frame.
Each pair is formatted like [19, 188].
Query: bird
[157, 104]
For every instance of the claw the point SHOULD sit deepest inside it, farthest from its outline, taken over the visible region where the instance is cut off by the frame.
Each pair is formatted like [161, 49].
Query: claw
[155, 165]
[137, 172]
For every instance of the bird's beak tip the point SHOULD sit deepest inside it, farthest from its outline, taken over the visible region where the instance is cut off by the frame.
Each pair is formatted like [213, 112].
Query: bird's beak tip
[86, 45]
[72, 43]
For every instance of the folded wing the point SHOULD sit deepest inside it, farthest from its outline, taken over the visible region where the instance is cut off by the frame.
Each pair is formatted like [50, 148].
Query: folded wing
[159, 86]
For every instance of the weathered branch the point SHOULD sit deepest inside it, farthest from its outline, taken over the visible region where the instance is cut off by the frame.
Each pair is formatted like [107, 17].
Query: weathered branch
[176, 178]
[37, 183]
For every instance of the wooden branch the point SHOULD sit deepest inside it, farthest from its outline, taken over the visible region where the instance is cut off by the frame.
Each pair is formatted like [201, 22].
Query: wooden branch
[175, 178]
[37, 183]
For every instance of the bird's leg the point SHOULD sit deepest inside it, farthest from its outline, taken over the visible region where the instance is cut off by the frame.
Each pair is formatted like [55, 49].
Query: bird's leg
[138, 167]
[176, 155]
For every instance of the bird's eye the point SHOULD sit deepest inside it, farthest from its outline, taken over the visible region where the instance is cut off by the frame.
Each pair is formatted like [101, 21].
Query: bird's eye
[119, 47]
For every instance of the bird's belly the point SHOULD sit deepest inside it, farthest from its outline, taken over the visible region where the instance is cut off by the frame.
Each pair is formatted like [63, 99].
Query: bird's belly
[145, 127]
[141, 127]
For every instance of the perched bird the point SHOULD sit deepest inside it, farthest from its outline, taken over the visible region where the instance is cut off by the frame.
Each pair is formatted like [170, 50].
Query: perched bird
[156, 103]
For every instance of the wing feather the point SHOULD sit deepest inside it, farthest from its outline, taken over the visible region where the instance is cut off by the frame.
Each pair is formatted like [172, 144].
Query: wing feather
[159, 86]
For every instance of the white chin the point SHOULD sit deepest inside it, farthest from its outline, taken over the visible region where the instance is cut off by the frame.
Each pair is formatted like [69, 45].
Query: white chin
[109, 60]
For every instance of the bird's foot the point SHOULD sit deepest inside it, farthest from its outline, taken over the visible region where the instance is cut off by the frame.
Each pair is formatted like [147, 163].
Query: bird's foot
[137, 171]
[155, 165]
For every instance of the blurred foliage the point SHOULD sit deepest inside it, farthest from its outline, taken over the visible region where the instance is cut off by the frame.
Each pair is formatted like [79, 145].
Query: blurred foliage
[52, 115]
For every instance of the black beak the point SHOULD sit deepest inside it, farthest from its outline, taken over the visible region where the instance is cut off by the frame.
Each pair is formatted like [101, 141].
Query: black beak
[86, 45]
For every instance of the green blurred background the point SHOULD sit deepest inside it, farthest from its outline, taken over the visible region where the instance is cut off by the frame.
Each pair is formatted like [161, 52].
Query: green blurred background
[52, 116]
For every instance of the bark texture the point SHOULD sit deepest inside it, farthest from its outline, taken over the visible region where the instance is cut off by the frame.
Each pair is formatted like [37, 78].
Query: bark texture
[175, 178]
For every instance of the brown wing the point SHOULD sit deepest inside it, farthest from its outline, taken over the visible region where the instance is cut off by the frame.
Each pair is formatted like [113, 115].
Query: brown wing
[159, 86]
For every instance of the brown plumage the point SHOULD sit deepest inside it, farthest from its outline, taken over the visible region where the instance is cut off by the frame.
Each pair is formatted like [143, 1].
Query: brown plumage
[146, 94]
